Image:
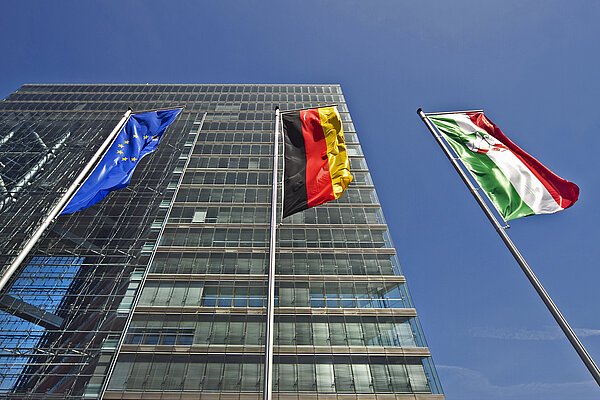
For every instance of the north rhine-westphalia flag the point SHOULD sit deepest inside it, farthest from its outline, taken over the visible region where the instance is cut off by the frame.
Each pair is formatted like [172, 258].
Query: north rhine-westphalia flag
[517, 184]
[139, 136]
[317, 169]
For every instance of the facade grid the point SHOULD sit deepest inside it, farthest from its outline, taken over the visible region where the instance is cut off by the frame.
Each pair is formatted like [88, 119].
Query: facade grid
[159, 290]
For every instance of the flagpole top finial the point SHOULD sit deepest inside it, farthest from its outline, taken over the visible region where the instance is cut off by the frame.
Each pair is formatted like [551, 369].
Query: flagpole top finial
[419, 110]
[276, 108]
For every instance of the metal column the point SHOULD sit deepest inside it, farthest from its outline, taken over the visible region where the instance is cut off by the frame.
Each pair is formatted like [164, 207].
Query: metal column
[268, 376]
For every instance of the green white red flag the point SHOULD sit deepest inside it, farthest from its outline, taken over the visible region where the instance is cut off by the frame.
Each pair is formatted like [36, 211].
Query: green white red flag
[517, 184]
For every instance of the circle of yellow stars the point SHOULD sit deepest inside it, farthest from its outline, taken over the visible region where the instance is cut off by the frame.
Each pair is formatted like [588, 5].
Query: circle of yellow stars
[122, 145]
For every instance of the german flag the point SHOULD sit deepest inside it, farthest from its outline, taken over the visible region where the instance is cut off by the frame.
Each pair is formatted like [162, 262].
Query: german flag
[317, 169]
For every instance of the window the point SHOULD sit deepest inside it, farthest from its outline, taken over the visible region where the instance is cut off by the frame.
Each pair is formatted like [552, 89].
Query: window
[199, 215]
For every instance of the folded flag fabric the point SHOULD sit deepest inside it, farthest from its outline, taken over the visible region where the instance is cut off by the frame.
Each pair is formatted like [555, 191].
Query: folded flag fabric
[139, 136]
[317, 169]
[517, 184]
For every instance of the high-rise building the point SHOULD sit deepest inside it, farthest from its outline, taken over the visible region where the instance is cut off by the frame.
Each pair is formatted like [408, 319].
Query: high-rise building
[158, 291]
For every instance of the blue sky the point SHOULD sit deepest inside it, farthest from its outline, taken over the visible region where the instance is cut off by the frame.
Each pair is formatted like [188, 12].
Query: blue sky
[533, 66]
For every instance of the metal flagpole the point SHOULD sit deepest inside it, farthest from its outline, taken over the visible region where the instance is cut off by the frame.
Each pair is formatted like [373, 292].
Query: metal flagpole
[268, 377]
[56, 210]
[562, 322]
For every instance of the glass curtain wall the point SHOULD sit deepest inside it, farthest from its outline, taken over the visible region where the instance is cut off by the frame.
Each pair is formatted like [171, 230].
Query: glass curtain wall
[159, 290]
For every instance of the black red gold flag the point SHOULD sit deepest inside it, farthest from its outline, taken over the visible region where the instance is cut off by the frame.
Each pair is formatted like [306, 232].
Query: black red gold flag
[317, 169]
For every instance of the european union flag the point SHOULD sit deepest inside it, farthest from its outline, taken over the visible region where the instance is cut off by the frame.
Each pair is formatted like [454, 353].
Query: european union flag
[139, 136]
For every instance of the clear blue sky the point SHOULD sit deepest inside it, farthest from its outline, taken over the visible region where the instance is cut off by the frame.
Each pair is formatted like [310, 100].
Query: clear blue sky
[532, 65]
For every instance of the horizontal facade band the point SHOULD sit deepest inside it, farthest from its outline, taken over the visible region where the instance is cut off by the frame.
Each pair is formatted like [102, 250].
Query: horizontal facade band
[258, 396]
[246, 186]
[213, 185]
[380, 227]
[214, 204]
[287, 278]
[328, 250]
[418, 352]
[155, 105]
[190, 85]
[400, 312]
[266, 156]
[214, 225]
[193, 169]
[313, 103]
[188, 102]
[124, 104]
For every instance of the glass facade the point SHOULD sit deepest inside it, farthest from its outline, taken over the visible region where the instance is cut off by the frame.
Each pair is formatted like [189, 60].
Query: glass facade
[159, 290]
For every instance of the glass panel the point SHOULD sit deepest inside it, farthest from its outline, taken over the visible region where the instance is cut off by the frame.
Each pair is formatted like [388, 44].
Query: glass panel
[325, 378]
[343, 378]
[362, 378]
[213, 376]
[306, 378]
[398, 378]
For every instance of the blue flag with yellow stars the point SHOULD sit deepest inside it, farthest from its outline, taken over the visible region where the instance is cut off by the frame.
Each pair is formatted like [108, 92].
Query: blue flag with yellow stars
[139, 136]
